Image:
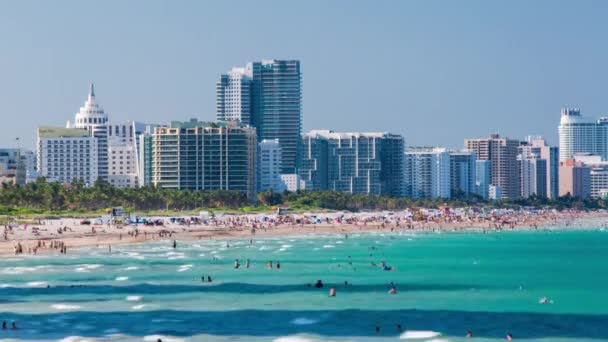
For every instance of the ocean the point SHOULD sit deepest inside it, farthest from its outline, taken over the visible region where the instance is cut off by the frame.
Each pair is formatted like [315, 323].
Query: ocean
[447, 283]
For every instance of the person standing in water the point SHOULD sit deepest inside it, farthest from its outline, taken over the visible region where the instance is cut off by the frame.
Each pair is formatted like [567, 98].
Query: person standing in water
[174, 244]
[247, 263]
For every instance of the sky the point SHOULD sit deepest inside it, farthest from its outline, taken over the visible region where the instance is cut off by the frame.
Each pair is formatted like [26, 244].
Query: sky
[435, 71]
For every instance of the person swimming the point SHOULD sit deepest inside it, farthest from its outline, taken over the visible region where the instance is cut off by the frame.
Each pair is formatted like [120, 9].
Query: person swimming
[393, 290]
[3, 325]
[209, 279]
[469, 334]
[319, 284]
[278, 264]
[509, 337]
[14, 326]
[399, 328]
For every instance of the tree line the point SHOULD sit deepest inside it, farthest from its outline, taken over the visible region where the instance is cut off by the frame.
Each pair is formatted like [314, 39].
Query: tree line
[44, 196]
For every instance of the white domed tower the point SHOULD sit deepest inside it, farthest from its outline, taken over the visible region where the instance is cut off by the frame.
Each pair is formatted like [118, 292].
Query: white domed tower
[91, 115]
[93, 118]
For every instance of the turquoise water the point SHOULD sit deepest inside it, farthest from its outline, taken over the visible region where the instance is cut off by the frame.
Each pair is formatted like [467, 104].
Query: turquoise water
[447, 283]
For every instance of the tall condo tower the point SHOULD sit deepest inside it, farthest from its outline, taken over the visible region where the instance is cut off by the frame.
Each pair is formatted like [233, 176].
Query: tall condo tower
[267, 95]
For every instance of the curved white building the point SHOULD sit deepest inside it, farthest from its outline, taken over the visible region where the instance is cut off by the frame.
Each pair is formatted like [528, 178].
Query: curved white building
[93, 118]
[577, 134]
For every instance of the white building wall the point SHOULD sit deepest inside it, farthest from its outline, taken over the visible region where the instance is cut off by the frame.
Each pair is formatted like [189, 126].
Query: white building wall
[63, 159]
[269, 166]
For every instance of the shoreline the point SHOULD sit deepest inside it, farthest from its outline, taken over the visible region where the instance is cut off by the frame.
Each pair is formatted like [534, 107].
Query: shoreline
[37, 239]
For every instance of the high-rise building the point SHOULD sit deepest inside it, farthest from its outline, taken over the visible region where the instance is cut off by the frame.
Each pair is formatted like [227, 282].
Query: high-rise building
[314, 161]
[578, 134]
[269, 166]
[502, 154]
[533, 175]
[359, 163]
[574, 178]
[65, 154]
[93, 118]
[233, 96]
[267, 95]
[462, 172]
[205, 156]
[427, 173]
[483, 178]
[535, 145]
[277, 107]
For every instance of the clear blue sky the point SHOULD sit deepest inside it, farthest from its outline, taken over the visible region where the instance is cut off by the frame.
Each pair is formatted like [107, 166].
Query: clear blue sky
[435, 71]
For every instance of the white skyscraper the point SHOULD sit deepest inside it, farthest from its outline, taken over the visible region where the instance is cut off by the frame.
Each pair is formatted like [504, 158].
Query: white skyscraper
[233, 96]
[427, 173]
[578, 134]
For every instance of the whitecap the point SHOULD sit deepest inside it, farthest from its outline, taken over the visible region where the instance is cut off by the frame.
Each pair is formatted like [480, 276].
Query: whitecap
[133, 298]
[138, 307]
[328, 246]
[184, 268]
[418, 334]
[286, 246]
[65, 307]
[37, 284]
[21, 270]
[303, 321]
[121, 278]
[77, 339]
[292, 339]
[154, 338]
[130, 268]
[438, 340]
[87, 267]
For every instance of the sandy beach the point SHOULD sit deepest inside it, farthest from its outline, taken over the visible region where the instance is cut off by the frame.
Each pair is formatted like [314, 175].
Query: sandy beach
[62, 235]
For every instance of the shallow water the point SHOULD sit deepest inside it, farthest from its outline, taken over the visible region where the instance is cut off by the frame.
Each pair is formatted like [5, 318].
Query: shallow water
[447, 283]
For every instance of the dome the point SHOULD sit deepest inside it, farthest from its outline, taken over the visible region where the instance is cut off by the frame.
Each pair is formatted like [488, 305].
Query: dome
[91, 114]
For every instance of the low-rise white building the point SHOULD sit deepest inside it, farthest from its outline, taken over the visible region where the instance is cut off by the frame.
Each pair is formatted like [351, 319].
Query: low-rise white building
[292, 182]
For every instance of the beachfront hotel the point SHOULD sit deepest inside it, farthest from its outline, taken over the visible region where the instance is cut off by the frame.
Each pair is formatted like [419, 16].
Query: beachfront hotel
[267, 95]
[427, 173]
[195, 155]
[579, 134]
[65, 154]
[357, 163]
[462, 172]
[502, 154]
